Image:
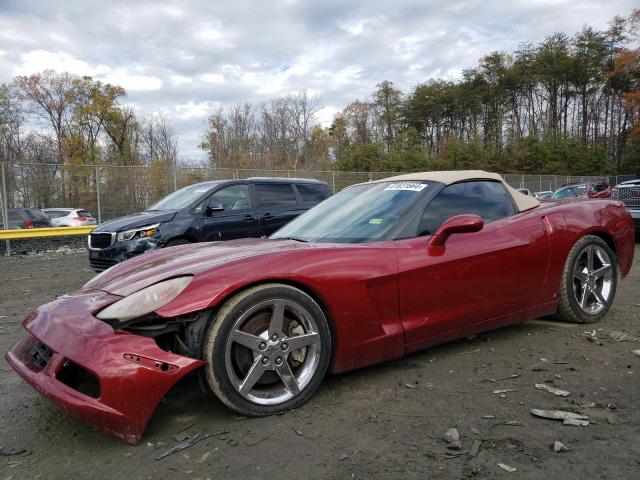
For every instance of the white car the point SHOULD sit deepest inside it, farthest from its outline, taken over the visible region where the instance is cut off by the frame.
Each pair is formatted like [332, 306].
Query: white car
[69, 217]
[544, 194]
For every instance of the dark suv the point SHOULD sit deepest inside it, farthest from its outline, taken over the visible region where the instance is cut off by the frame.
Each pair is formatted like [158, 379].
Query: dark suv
[25, 218]
[205, 212]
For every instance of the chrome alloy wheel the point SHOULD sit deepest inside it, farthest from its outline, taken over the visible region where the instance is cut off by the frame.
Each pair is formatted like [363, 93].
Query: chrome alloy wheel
[273, 351]
[593, 279]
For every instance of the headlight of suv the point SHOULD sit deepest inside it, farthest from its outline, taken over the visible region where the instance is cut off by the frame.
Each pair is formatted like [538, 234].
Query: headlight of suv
[138, 232]
[146, 300]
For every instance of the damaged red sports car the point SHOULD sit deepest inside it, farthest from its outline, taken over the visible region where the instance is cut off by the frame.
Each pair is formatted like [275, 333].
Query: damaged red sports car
[377, 271]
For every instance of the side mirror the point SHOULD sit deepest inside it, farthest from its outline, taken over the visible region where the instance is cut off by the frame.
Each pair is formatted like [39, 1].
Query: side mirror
[457, 224]
[214, 207]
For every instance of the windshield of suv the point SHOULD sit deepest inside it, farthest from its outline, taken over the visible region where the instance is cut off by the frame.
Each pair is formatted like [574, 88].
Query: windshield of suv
[574, 191]
[358, 214]
[181, 198]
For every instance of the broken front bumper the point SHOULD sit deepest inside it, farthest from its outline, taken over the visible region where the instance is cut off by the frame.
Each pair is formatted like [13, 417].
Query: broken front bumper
[130, 373]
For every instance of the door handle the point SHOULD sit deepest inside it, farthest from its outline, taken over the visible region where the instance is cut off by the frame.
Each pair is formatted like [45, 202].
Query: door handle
[267, 216]
[248, 218]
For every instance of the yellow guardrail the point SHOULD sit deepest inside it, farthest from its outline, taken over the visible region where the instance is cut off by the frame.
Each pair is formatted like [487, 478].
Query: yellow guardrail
[25, 233]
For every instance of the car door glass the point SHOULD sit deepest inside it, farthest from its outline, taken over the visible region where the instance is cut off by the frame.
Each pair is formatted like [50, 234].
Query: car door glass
[312, 193]
[488, 199]
[55, 213]
[272, 194]
[235, 197]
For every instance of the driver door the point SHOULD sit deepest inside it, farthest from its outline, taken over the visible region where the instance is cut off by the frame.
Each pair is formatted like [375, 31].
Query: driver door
[237, 220]
[476, 277]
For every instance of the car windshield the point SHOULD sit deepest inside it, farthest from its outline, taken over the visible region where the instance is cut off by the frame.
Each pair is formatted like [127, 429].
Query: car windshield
[575, 191]
[181, 198]
[362, 213]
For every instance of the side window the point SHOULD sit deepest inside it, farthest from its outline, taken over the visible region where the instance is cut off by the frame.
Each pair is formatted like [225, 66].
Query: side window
[56, 213]
[235, 197]
[272, 194]
[490, 200]
[312, 192]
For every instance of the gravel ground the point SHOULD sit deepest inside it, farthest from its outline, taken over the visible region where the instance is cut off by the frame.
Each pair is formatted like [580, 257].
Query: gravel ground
[386, 421]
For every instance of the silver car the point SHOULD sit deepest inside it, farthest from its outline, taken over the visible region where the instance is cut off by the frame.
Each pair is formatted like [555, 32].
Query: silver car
[69, 217]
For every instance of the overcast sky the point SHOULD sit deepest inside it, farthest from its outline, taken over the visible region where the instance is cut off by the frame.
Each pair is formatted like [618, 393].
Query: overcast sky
[188, 58]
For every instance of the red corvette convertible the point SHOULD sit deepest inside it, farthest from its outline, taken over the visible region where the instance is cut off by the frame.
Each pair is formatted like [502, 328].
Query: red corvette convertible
[377, 271]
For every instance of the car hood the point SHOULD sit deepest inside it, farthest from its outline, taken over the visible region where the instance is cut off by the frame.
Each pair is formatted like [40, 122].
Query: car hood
[139, 272]
[135, 220]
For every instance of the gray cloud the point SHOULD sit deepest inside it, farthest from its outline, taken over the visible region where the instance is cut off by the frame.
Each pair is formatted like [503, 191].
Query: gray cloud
[188, 58]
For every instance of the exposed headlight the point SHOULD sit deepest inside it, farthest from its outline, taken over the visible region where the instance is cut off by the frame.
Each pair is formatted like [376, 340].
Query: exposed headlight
[138, 232]
[146, 300]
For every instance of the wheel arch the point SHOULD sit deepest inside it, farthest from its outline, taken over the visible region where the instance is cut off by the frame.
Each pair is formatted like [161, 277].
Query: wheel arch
[180, 237]
[608, 239]
[285, 281]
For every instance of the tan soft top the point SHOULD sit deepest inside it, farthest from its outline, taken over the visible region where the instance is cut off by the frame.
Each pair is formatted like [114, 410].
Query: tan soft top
[522, 201]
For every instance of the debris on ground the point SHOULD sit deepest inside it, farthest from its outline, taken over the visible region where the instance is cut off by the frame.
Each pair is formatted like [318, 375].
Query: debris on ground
[21, 451]
[488, 417]
[507, 468]
[556, 391]
[510, 423]
[622, 337]
[410, 385]
[557, 414]
[515, 375]
[190, 442]
[451, 435]
[559, 447]
[475, 449]
[636, 352]
[506, 390]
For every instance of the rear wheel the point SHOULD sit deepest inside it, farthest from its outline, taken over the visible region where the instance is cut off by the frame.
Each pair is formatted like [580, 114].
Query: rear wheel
[267, 350]
[589, 281]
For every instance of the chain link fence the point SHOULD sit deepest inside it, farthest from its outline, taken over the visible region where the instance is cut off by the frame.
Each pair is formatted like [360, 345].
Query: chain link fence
[111, 191]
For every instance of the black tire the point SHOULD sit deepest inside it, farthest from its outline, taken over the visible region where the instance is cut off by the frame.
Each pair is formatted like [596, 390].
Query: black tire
[177, 241]
[216, 348]
[569, 308]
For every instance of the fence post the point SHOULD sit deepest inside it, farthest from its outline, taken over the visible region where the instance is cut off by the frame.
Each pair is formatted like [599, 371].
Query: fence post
[98, 194]
[175, 177]
[333, 181]
[521, 181]
[5, 212]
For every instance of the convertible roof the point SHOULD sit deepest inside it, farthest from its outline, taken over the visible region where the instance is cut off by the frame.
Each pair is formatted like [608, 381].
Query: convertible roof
[522, 201]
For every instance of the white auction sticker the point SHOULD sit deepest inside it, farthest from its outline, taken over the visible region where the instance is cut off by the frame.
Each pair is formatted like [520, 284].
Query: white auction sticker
[411, 186]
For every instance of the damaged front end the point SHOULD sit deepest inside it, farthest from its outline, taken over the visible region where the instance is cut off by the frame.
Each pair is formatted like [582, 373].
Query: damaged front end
[110, 374]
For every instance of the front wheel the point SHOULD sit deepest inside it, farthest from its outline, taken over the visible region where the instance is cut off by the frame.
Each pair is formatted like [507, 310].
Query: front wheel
[267, 350]
[589, 281]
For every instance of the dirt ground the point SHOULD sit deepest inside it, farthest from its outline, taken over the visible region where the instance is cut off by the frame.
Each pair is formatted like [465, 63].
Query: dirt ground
[380, 422]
